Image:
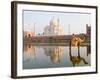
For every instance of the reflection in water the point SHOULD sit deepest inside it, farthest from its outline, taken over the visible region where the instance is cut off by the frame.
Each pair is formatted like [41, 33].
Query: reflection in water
[54, 53]
[88, 50]
[29, 51]
[77, 59]
[55, 56]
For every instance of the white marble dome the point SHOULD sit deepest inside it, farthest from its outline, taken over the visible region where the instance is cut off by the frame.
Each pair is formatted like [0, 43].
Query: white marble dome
[54, 22]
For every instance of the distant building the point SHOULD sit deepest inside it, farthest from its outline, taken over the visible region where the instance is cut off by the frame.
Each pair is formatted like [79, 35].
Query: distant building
[28, 34]
[88, 30]
[53, 28]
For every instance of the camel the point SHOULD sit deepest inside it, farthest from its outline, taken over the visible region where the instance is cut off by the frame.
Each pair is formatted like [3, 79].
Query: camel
[76, 40]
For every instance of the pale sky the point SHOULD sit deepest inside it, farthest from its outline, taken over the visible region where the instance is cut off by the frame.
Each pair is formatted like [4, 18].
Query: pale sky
[77, 21]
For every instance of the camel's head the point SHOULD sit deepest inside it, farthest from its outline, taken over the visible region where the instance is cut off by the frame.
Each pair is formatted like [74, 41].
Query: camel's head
[82, 36]
[73, 35]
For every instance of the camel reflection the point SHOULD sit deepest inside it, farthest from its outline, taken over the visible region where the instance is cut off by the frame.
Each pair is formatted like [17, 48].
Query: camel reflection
[54, 53]
[29, 51]
[76, 59]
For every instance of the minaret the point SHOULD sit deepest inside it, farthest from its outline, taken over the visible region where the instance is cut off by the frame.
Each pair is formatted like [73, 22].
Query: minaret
[58, 26]
[58, 22]
[34, 28]
[69, 29]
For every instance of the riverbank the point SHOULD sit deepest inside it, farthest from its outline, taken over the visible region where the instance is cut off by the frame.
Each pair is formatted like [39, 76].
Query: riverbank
[54, 44]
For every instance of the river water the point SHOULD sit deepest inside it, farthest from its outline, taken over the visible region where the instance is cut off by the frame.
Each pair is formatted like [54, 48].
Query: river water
[46, 56]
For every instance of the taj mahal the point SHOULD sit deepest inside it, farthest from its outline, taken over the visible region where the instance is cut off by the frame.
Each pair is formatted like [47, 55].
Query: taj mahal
[53, 28]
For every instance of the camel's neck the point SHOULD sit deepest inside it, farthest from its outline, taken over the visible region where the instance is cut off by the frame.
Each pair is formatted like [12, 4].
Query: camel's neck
[82, 40]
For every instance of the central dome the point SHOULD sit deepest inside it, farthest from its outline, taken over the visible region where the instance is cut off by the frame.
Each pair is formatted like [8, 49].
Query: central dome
[54, 22]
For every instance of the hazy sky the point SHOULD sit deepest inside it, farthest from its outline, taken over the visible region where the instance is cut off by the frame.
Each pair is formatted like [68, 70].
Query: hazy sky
[77, 21]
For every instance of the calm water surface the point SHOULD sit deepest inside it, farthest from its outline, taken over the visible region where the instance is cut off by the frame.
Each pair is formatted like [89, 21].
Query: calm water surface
[35, 56]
